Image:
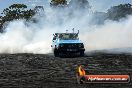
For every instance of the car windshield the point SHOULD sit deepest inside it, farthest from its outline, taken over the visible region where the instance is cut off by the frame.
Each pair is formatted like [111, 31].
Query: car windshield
[70, 36]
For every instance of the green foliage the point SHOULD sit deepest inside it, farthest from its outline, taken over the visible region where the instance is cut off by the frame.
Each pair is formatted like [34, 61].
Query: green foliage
[1, 23]
[17, 11]
[58, 2]
[16, 6]
[120, 11]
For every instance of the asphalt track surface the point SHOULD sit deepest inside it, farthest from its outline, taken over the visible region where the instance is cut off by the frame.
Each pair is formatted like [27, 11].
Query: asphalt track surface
[47, 71]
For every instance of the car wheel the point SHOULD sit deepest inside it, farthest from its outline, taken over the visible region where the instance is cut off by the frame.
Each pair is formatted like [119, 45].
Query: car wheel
[82, 53]
[56, 53]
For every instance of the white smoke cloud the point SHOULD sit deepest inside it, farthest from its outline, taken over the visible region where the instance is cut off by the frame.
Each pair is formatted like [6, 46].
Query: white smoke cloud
[19, 38]
[111, 35]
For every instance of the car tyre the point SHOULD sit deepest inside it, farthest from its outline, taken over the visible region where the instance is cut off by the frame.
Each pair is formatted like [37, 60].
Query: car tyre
[56, 53]
[82, 53]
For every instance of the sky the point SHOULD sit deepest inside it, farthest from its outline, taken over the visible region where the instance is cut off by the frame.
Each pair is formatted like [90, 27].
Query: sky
[97, 5]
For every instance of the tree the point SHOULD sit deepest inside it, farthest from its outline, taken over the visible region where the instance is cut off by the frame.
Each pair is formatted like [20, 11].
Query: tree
[120, 11]
[17, 11]
[58, 2]
[39, 10]
[1, 23]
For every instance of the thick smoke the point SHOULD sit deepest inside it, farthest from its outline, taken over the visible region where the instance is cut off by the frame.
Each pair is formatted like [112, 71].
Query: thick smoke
[112, 35]
[23, 37]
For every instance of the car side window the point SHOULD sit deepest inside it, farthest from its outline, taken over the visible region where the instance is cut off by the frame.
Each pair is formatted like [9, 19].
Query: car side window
[54, 38]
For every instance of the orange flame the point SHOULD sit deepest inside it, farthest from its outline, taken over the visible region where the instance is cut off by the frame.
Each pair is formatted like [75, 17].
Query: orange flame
[81, 71]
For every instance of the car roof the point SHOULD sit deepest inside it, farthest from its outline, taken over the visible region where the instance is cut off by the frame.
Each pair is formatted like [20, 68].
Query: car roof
[65, 33]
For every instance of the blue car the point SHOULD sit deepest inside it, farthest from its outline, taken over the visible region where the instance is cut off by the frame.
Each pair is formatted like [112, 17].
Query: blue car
[67, 43]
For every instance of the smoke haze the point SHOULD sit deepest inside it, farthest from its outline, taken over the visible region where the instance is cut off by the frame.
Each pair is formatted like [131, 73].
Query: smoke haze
[22, 37]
